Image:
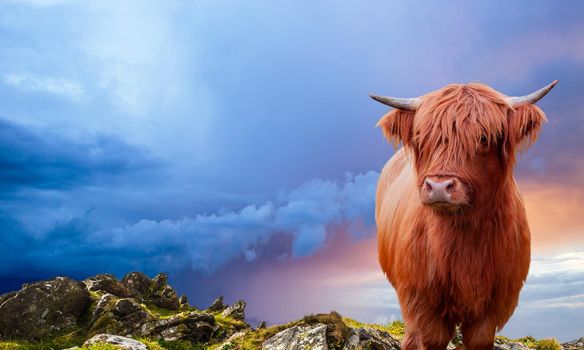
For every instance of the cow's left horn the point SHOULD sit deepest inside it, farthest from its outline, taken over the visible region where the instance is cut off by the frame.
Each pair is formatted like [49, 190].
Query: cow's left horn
[531, 98]
[409, 104]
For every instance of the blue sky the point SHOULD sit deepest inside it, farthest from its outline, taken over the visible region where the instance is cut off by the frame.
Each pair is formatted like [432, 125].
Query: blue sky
[223, 141]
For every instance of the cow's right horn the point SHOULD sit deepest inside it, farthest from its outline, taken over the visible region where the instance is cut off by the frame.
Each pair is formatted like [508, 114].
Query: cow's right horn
[409, 104]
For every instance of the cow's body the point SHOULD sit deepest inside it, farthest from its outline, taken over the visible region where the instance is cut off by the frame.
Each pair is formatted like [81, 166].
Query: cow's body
[447, 273]
[453, 237]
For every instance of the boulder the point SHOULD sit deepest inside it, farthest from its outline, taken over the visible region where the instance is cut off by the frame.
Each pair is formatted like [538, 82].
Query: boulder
[503, 345]
[217, 305]
[42, 308]
[577, 344]
[124, 307]
[156, 291]
[228, 344]
[119, 341]
[137, 283]
[371, 338]
[298, 338]
[183, 300]
[235, 311]
[106, 283]
[119, 316]
[6, 296]
[164, 297]
[103, 304]
[194, 326]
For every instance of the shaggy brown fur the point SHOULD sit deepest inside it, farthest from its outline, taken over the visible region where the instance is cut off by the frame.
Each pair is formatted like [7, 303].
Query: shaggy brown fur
[465, 266]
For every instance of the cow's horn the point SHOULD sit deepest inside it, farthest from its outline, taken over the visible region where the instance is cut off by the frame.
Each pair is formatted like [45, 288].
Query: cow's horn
[410, 104]
[531, 98]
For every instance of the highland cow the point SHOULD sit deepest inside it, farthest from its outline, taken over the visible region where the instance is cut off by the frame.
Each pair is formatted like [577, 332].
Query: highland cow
[452, 230]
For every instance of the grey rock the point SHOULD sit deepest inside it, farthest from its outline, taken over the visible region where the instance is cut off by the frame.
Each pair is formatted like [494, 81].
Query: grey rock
[6, 296]
[124, 307]
[103, 304]
[155, 291]
[194, 326]
[117, 340]
[42, 308]
[137, 283]
[235, 311]
[503, 345]
[298, 338]
[371, 338]
[262, 324]
[228, 344]
[217, 305]
[106, 283]
[183, 300]
[577, 344]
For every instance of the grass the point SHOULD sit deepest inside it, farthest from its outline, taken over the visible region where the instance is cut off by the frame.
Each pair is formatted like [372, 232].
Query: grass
[395, 328]
[548, 344]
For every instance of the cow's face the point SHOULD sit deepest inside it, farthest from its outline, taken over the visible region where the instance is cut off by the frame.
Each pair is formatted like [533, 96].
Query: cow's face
[462, 139]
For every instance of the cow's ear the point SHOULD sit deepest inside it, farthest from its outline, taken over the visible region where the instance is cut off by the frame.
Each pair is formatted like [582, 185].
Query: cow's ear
[397, 126]
[524, 125]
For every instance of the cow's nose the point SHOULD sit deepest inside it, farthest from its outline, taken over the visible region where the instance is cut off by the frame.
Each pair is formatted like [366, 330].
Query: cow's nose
[440, 190]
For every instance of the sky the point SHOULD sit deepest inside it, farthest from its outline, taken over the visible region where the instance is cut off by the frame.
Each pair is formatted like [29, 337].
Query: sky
[233, 144]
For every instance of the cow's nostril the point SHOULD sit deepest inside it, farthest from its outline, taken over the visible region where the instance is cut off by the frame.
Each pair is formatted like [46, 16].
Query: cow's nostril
[428, 185]
[450, 186]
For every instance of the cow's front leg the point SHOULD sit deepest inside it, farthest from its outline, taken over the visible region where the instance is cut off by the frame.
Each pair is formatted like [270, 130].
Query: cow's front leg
[479, 335]
[425, 331]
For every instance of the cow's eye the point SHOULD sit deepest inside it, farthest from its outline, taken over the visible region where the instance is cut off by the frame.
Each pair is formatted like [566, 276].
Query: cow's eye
[484, 140]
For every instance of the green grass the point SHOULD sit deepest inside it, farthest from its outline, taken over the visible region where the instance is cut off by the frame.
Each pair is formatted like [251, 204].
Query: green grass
[395, 328]
[548, 344]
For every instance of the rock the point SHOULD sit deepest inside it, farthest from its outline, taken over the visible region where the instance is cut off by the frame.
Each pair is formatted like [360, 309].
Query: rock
[137, 283]
[501, 344]
[165, 297]
[124, 307]
[298, 338]
[262, 325]
[41, 308]
[106, 283]
[235, 311]
[371, 338]
[119, 341]
[217, 305]
[183, 300]
[103, 305]
[155, 291]
[228, 344]
[6, 296]
[119, 316]
[160, 280]
[195, 326]
[577, 344]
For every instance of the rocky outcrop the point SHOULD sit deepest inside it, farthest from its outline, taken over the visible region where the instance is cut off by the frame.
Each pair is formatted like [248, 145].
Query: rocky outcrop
[123, 343]
[298, 338]
[371, 338]
[217, 305]
[106, 283]
[235, 311]
[194, 326]
[156, 291]
[42, 308]
[577, 344]
[106, 310]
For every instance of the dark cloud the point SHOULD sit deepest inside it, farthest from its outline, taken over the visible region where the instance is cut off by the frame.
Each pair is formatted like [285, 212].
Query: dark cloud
[37, 158]
[81, 246]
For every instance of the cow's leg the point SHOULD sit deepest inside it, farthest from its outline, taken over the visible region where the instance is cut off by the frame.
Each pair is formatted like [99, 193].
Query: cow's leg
[425, 331]
[479, 335]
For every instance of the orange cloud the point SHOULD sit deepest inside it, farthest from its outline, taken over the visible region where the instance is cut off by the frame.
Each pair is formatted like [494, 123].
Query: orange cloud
[556, 215]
